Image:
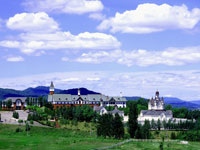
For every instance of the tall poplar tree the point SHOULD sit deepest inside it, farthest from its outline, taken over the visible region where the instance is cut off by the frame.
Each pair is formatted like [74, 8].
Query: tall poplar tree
[118, 127]
[132, 121]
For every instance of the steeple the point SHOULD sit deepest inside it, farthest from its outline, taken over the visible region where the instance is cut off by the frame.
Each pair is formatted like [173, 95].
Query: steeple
[157, 94]
[156, 103]
[51, 88]
[79, 92]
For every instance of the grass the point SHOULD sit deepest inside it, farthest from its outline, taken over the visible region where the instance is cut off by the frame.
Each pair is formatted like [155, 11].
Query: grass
[75, 139]
[49, 138]
[154, 145]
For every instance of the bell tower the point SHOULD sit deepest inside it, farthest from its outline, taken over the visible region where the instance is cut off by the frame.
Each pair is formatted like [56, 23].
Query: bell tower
[51, 88]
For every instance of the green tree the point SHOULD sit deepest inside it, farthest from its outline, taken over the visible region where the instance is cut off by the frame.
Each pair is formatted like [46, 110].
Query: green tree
[139, 132]
[153, 124]
[168, 107]
[9, 103]
[1, 104]
[27, 127]
[146, 129]
[118, 127]
[15, 115]
[159, 124]
[104, 125]
[132, 121]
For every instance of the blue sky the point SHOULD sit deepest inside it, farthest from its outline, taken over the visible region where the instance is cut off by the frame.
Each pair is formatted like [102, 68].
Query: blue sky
[109, 46]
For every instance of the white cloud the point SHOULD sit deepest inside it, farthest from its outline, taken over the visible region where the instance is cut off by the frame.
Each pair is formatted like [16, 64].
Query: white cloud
[1, 22]
[169, 57]
[112, 83]
[97, 16]
[64, 6]
[148, 18]
[32, 22]
[15, 58]
[30, 43]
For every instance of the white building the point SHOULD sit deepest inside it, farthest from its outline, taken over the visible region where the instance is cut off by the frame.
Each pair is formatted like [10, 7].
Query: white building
[155, 111]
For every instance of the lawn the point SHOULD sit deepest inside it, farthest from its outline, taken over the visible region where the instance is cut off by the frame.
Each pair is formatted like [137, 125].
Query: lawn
[51, 139]
[155, 145]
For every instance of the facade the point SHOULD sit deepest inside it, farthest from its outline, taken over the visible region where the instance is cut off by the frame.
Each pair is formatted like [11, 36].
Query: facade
[155, 111]
[18, 103]
[59, 100]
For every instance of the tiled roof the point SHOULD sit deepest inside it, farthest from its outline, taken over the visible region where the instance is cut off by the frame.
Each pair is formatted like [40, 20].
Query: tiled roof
[13, 99]
[156, 112]
[89, 97]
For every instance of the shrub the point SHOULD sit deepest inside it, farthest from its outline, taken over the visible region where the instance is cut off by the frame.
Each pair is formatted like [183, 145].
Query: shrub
[18, 130]
[20, 121]
[31, 122]
[15, 115]
[173, 136]
[27, 127]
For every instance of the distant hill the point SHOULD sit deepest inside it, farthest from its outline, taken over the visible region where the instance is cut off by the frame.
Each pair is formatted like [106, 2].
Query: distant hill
[196, 102]
[175, 102]
[44, 91]
[40, 91]
[132, 98]
[74, 91]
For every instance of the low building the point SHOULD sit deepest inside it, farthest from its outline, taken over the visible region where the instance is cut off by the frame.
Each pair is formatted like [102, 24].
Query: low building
[60, 100]
[19, 103]
[102, 110]
[16, 103]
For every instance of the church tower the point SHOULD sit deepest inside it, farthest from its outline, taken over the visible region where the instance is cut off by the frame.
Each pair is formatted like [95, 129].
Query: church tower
[156, 103]
[51, 88]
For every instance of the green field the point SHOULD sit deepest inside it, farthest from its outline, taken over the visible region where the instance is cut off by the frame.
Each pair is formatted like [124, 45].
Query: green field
[40, 138]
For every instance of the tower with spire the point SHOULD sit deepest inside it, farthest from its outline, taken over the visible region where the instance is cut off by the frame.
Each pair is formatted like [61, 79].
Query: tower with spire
[51, 88]
[156, 103]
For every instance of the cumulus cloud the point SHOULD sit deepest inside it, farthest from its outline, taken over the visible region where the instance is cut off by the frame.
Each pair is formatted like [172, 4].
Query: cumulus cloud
[169, 57]
[148, 18]
[15, 58]
[97, 16]
[64, 6]
[32, 42]
[129, 83]
[32, 22]
[42, 33]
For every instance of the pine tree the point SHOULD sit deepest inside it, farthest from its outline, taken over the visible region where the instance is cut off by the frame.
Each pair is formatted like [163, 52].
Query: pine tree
[132, 122]
[118, 127]
[104, 127]
[159, 124]
[146, 128]
[138, 132]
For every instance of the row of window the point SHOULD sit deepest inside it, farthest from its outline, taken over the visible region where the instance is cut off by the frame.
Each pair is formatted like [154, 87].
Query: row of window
[86, 102]
[76, 102]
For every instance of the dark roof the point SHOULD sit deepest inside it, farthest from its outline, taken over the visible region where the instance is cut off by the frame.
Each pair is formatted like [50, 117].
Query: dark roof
[156, 112]
[13, 99]
[98, 108]
[115, 111]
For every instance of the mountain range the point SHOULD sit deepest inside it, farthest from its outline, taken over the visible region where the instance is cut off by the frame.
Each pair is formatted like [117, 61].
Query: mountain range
[44, 91]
